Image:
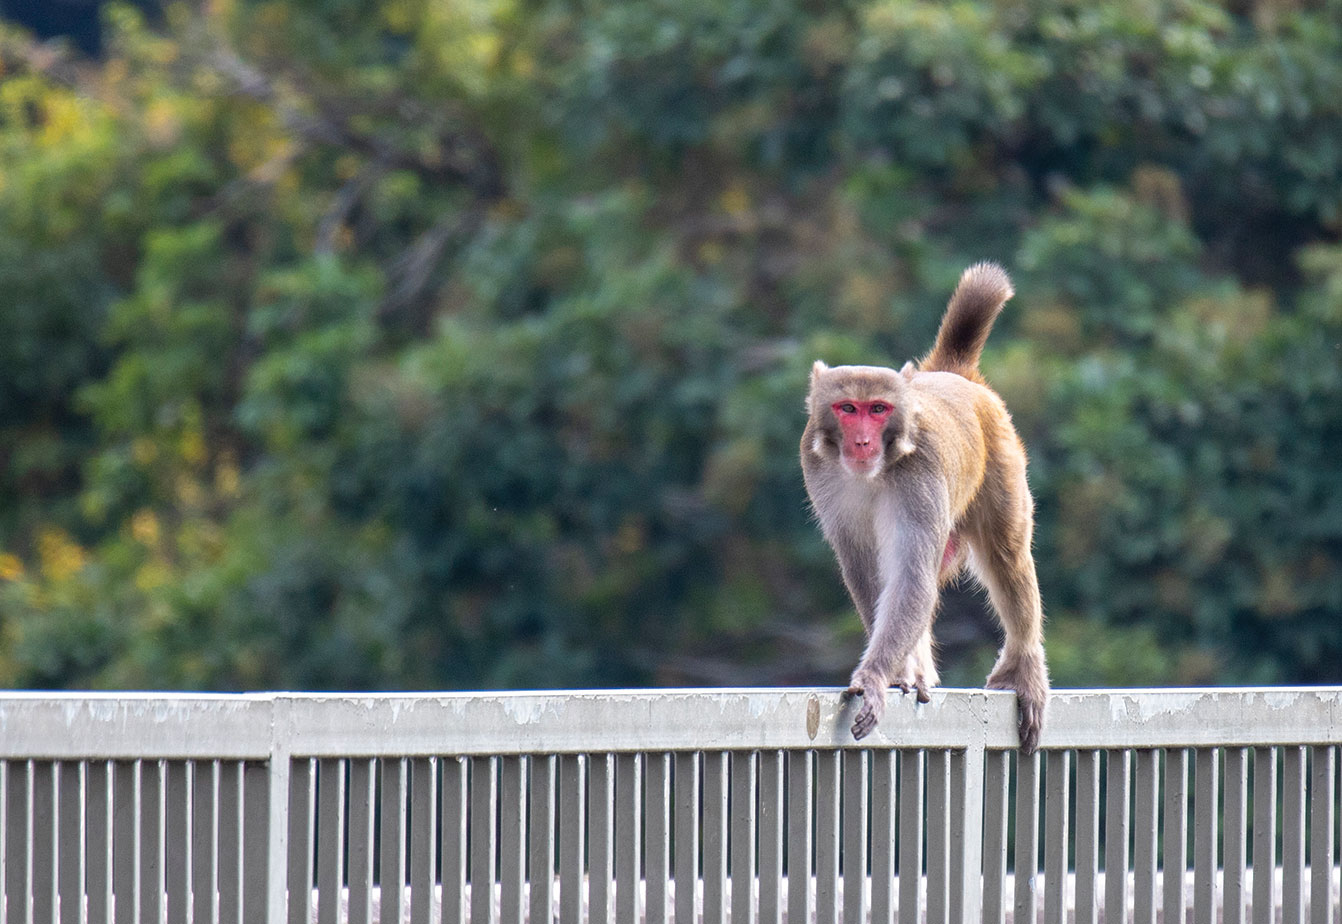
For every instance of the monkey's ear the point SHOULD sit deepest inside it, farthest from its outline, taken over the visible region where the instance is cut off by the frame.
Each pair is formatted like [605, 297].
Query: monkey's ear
[906, 443]
[817, 370]
[908, 370]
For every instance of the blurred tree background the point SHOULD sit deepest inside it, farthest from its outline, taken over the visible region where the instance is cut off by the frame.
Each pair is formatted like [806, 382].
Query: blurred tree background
[422, 344]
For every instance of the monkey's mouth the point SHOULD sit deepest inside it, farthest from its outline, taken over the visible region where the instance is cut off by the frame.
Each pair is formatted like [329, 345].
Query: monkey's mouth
[862, 463]
[862, 455]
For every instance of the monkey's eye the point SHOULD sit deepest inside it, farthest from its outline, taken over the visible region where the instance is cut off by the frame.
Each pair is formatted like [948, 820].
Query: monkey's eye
[848, 407]
[879, 408]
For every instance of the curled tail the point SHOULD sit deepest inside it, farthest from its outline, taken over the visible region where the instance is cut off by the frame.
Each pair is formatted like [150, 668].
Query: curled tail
[984, 288]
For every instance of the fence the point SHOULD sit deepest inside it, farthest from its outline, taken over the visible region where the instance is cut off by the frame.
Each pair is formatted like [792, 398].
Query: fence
[753, 805]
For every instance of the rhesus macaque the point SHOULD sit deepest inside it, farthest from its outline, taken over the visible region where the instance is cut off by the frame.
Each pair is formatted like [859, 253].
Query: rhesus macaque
[914, 474]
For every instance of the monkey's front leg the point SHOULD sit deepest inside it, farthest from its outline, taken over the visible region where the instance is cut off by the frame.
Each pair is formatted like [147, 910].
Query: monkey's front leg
[903, 610]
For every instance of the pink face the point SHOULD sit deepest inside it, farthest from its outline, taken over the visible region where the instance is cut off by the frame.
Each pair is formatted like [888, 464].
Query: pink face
[862, 423]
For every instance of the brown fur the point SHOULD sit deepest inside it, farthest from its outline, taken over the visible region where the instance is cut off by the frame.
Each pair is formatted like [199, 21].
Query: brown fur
[948, 489]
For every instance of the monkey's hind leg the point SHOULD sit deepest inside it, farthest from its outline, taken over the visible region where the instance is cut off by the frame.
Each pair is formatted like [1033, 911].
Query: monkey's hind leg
[1005, 566]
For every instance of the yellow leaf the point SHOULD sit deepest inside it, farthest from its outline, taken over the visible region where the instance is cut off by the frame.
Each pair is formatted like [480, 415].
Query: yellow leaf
[60, 556]
[144, 527]
[735, 201]
[11, 568]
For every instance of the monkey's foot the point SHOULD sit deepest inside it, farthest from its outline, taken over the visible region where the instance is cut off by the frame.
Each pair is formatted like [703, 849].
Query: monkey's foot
[872, 690]
[920, 673]
[1026, 673]
[918, 686]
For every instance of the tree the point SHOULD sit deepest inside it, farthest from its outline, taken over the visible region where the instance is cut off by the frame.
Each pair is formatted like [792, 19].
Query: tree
[403, 344]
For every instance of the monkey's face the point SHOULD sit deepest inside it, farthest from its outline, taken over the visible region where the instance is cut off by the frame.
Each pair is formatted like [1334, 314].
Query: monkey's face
[862, 425]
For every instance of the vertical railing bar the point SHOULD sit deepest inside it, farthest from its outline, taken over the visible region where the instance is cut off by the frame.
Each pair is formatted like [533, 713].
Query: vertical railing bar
[256, 846]
[5, 767]
[958, 886]
[512, 840]
[302, 837]
[800, 818]
[1118, 791]
[395, 775]
[424, 839]
[1027, 837]
[483, 836]
[330, 836]
[572, 818]
[205, 842]
[1235, 835]
[151, 841]
[912, 779]
[1146, 820]
[359, 874]
[628, 836]
[996, 784]
[42, 847]
[233, 829]
[1264, 833]
[744, 823]
[70, 809]
[715, 798]
[125, 841]
[452, 805]
[600, 836]
[98, 838]
[1293, 835]
[1057, 784]
[178, 853]
[827, 794]
[1086, 898]
[854, 837]
[966, 841]
[884, 812]
[1204, 836]
[771, 793]
[657, 868]
[938, 833]
[4, 834]
[686, 836]
[230, 842]
[541, 839]
[1175, 844]
[1322, 817]
[276, 769]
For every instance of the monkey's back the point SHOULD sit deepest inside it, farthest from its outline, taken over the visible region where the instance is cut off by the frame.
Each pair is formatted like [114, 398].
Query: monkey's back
[969, 425]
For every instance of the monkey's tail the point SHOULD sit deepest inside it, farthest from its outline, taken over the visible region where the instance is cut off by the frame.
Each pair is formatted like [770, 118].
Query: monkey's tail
[984, 288]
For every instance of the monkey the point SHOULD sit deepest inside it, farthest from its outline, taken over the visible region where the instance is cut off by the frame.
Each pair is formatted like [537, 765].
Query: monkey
[915, 476]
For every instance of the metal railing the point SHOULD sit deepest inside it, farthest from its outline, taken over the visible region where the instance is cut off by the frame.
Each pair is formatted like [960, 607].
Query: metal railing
[671, 805]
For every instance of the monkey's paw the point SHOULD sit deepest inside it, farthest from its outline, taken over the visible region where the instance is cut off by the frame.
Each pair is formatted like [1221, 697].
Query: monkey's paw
[919, 673]
[917, 685]
[917, 679]
[872, 690]
[1025, 673]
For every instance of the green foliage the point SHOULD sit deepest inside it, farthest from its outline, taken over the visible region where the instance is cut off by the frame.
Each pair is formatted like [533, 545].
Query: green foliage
[406, 344]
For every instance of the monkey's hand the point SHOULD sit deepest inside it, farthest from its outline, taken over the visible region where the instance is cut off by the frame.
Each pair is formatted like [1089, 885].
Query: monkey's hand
[872, 690]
